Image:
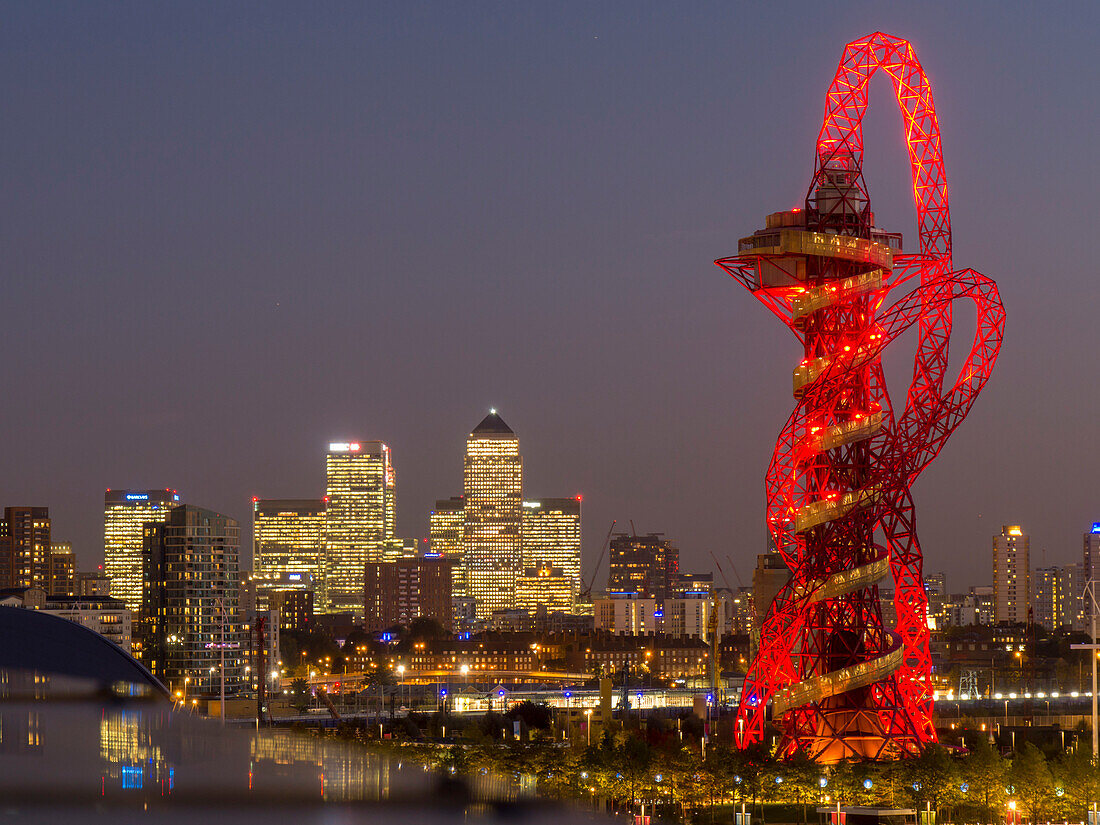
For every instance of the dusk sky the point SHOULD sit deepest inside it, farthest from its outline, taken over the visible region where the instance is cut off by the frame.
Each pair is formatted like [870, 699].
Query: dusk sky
[231, 233]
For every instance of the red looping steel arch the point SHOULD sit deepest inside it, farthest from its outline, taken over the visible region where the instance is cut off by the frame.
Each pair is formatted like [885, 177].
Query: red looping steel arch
[799, 632]
[842, 129]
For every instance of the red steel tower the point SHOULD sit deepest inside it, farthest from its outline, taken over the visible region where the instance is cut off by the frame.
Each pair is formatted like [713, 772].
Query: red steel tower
[840, 683]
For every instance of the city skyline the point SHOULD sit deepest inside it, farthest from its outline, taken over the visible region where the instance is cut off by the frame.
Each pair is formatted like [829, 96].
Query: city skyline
[577, 293]
[88, 560]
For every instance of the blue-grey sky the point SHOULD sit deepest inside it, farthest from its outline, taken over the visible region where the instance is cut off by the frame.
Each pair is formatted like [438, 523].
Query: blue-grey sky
[230, 233]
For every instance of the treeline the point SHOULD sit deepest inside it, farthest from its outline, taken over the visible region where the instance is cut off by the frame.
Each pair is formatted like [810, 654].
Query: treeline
[667, 766]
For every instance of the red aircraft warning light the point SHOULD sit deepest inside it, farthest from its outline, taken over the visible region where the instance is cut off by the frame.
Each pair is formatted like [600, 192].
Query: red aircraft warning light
[841, 684]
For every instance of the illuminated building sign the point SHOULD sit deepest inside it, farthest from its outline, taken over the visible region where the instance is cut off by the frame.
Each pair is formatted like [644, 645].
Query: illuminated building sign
[1096, 527]
[138, 496]
[343, 447]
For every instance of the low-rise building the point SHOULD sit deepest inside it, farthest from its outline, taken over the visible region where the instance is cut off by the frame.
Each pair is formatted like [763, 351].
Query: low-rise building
[661, 656]
[108, 617]
[481, 656]
[627, 614]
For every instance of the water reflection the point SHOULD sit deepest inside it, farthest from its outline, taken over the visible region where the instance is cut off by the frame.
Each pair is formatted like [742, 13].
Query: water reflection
[340, 772]
[132, 760]
[145, 754]
[20, 732]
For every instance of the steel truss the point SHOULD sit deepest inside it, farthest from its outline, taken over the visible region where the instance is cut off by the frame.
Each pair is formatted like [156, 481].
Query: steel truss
[841, 684]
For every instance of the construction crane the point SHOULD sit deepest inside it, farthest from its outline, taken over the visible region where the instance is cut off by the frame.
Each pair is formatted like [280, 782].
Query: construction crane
[712, 633]
[586, 592]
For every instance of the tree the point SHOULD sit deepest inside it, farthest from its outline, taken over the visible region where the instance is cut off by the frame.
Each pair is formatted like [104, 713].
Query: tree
[802, 781]
[534, 715]
[1033, 782]
[984, 773]
[750, 767]
[634, 758]
[1080, 781]
[424, 628]
[931, 778]
[681, 777]
[299, 694]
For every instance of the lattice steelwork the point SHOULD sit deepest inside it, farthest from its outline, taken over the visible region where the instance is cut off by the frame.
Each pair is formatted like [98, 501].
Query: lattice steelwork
[842, 685]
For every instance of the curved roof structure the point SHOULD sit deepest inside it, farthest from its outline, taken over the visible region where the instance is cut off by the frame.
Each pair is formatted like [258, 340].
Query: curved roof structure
[31, 640]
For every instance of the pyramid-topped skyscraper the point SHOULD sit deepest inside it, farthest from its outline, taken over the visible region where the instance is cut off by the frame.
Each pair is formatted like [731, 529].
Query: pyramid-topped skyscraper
[493, 513]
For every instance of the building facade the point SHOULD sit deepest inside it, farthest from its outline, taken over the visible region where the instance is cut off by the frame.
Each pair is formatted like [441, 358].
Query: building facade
[1090, 571]
[395, 593]
[288, 536]
[1054, 599]
[95, 584]
[492, 515]
[1011, 575]
[627, 615]
[662, 656]
[25, 547]
[125, 514]
[935, 590]
[545, 589]
[445, 539]
[62, 576]
[768, 578]
[693, 616]
[360, 519]
[644, 565]
[192, 591]
[108, 617]
[258, 591]
[551, 537]
[294, 609]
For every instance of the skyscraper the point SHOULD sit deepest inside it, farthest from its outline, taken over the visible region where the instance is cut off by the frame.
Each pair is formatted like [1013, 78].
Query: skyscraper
[445, 539]
[192, 591]
[492, 515]
[644, 565]
[1090, 571]
[359, 520]
[1054, 598]
[1091, 557]
[25, 547]
[62, 567]
[125, 513]
[1011, 575]
[288, 536]
[552, 536]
